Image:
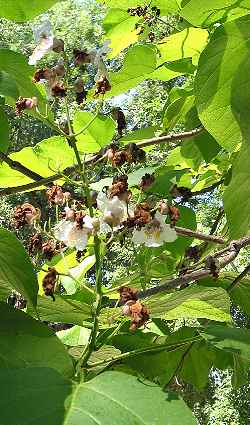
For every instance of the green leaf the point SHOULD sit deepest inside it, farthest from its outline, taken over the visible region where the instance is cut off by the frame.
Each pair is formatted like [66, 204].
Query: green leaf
[203, 14]
[25, 342]
[232, 340]
[165, 177]
[119, 27]
[168, 71]
[197, 364]
[78, 272]
[193, 302]
[139, 63]
[55, 153]
[139, 135]
[222, 73]
[98, 134]
[77, 335]
[16, 66]
[192, 154]
[158, 367]
[64, 309]
[176, 112]
[206, 145]
[239, 294]
[8, 86]
[113, 395]
[24, 10]
[237, 195]
[4, 132]
[188, 43]
[16, 270]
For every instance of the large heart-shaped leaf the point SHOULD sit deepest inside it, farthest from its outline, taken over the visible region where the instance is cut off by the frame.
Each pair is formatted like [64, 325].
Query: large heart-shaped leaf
[112, 397]
[201, 13]
[220, 70]
[98, 133]
[232, 340]
[23, 10]
[209, 303]
[25, 342]
[16, 271]
[188, 43]
[64, 309]
[139, 62]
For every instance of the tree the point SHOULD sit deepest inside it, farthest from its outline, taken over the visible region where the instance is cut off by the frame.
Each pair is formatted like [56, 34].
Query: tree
[122, 192]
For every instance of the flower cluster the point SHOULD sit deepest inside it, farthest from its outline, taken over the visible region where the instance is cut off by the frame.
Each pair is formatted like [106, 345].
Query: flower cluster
[75, 229]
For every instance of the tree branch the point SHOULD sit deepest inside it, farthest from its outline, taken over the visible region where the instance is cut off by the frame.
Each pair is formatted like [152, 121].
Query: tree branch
[47, 180]
[40, 181]
[227, 256]
[198, 235]
[170, 137]
[15, 165]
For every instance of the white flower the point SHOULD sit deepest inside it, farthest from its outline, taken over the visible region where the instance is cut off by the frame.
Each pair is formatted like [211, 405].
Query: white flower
[114, 211]
[67, 232]
[96, 56]
[44, 39]
[155, 233]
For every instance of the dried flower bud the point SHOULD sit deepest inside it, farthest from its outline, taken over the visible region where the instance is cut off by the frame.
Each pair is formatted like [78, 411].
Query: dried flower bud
[23, 103]
[119, 116]
[56, 195]
[50, 248]
[146, 181]
[174, 214]
[127, 294]
[58, 45]
[102, 86]
[119, 187]
[58, 90]
[142, 216]
[80, 97]
[49, 282]
[140, 315]
[119, 158]
[81, 57]
[35, 244]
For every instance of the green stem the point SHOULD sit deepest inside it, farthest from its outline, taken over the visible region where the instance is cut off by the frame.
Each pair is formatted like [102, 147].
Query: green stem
[149, 350]
[90, 347]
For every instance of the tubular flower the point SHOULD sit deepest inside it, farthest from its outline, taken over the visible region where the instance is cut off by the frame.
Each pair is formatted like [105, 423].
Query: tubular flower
[71, 235]
[44, 39]
[114, 211]
[96, 58]
[155, 233]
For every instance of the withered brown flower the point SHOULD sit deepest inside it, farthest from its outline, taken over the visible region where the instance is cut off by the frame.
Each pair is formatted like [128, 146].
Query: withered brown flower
[102, 86]
[49, 282]
[25, 214]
